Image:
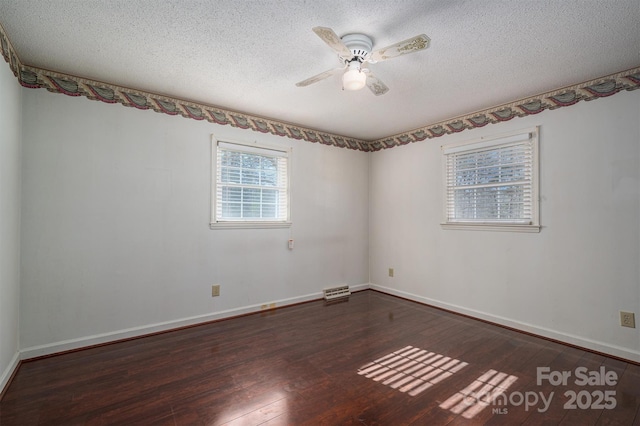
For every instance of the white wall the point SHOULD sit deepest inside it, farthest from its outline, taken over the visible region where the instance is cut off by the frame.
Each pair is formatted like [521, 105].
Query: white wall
[116, 238]
[569, 281]
[10, 134]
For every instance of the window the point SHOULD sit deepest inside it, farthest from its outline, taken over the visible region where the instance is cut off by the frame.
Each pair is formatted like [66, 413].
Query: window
[492, 184]
[251, 186]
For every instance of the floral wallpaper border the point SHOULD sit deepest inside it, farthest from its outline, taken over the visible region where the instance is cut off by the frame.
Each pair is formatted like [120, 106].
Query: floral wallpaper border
[33, 77]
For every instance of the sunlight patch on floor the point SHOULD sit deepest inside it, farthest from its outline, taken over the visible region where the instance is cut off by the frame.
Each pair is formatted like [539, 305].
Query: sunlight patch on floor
[411, 370]
[486, 390]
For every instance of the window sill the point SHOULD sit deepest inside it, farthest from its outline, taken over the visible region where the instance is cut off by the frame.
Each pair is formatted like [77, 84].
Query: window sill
[491, 227]
[248, 225]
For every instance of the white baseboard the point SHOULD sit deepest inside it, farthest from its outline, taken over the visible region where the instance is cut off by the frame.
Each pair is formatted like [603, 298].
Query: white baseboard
[66, 345]
[570, 339]
[8, 372]
[83, 342]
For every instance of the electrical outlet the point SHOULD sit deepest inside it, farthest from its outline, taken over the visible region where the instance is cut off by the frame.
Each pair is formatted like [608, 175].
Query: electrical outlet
[391, 272]
[215, 290]
[627, 319]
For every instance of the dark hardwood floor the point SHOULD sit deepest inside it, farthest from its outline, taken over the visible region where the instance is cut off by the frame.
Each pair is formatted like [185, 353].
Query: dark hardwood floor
[372, 360]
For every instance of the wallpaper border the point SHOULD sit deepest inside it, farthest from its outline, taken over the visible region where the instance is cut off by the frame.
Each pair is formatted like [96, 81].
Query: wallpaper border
[570, 95]
[32, 77]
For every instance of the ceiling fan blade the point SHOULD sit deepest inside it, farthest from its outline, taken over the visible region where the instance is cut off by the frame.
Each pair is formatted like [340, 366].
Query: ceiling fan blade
[333, 41]
[376, 85]
[319, 77]
[411, 45]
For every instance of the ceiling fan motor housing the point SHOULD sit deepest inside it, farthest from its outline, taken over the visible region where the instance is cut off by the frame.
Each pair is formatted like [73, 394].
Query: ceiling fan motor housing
[360, 45]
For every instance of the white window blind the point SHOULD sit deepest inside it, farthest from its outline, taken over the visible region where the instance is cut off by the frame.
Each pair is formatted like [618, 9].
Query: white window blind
[251, 185]
[492, 182]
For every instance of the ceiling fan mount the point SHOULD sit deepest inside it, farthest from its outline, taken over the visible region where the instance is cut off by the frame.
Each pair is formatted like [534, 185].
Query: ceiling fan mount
[356, 50]
[359, 45]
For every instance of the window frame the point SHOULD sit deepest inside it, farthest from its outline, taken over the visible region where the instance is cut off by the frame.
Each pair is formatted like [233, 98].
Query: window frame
[488, 142]
[255, 147]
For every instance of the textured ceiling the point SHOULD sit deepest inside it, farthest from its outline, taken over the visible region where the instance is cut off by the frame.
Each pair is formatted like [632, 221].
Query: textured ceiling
[247, 55]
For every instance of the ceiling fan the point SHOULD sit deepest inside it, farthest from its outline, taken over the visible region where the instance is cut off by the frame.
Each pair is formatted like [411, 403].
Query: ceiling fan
[355, 51]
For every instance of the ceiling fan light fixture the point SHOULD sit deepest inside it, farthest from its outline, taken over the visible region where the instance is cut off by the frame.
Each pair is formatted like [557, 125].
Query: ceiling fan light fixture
[355, 51]
[354, 78]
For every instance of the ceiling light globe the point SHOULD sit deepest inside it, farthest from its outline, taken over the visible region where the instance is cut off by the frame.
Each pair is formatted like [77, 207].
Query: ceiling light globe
[354, 79]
